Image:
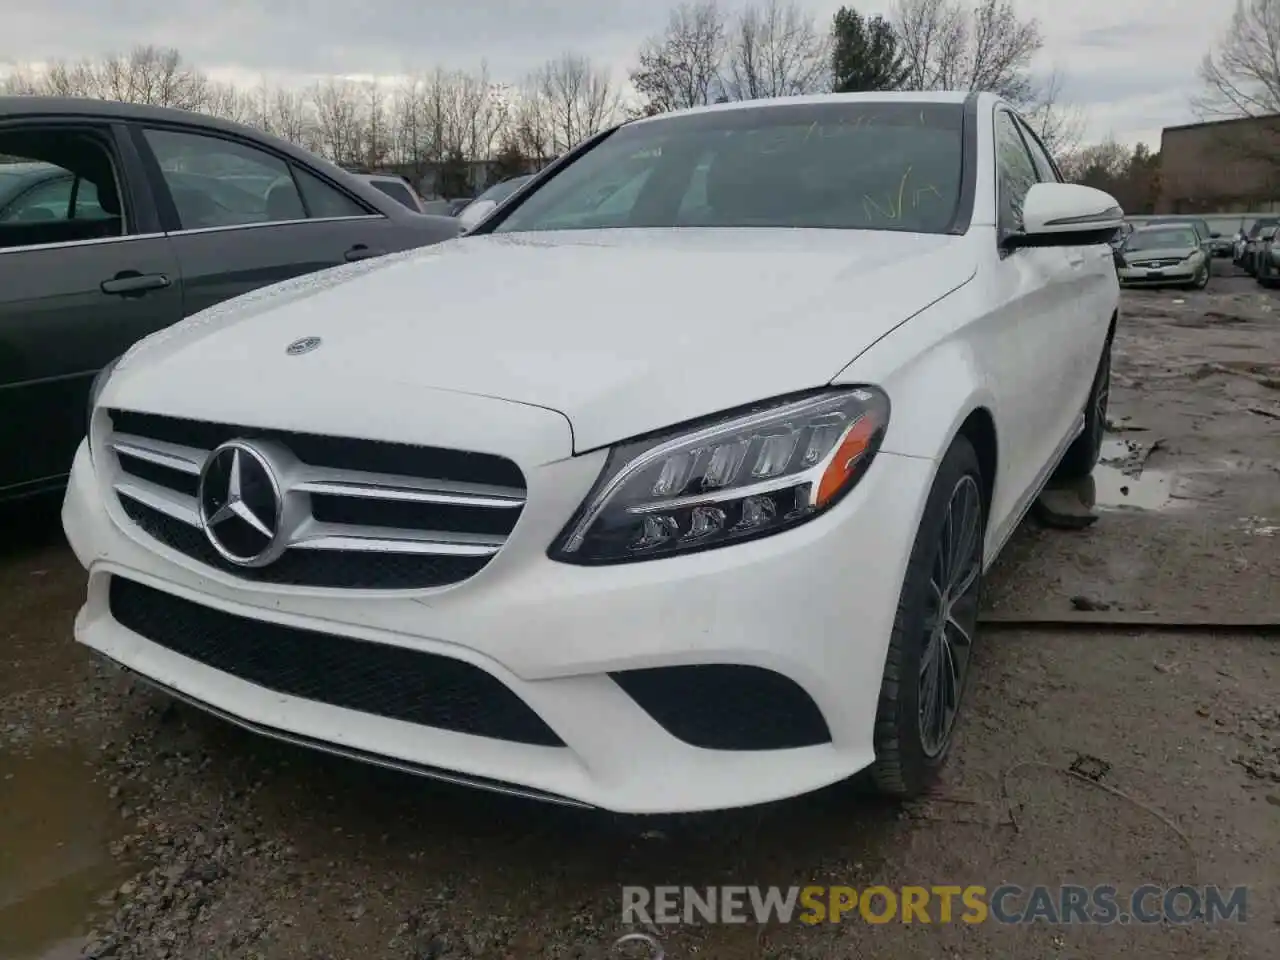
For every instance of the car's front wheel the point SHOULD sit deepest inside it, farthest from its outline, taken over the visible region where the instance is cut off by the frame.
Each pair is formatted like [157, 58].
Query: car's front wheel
[1085, 451]
[931, 647]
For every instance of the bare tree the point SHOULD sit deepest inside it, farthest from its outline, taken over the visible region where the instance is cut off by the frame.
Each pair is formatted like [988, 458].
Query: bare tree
[579, 99]
[377, 136]
[338, 120]
[411, 143]
[776, 51]
[682, 67]
[531, 124]
[23, 82]
[950, 46]
[1059, 125]
[292, 118]
[152, 75]
[1241, 76]
[1107, 160]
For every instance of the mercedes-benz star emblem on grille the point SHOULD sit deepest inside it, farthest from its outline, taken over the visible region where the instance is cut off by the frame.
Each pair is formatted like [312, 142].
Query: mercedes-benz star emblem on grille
[241, 505]
[305, 345]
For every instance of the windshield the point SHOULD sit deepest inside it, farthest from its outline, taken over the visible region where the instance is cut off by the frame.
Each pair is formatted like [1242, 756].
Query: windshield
[1171, 238]
[500, 191]
[859, 166]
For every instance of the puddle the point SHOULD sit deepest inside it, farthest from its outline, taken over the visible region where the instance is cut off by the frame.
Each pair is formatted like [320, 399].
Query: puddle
[56, 826]
[1120, 480]
[1114, 489]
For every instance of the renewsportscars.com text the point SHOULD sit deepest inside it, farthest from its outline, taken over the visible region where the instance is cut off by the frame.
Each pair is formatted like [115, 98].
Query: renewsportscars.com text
[1103, 904]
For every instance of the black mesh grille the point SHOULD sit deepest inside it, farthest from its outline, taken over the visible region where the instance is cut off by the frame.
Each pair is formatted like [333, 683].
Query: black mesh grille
[347, 570]
[373, 678]
[727, 706]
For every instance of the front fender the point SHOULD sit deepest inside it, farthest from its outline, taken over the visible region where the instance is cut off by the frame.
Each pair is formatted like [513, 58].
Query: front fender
[932, 377]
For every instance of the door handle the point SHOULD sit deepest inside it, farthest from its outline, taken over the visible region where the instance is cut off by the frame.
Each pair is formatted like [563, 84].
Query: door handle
[1075, 258]
[361, 252]
[130, 283]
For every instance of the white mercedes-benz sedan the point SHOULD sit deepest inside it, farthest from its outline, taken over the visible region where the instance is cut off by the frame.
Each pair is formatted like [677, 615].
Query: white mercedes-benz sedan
[670, 487]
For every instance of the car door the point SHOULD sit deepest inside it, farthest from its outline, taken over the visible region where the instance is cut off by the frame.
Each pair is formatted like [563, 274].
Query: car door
[241, 216]
[1093, 286]
[1027, 331]
[79, 284]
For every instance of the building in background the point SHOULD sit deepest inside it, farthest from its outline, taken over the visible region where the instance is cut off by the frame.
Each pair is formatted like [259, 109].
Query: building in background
[1225, 166]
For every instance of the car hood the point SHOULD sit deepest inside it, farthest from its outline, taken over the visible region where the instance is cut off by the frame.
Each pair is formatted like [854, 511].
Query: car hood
[1162, 253]
[622, 331]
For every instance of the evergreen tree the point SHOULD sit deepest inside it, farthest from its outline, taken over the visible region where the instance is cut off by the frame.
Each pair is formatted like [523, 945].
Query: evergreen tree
[864, 54]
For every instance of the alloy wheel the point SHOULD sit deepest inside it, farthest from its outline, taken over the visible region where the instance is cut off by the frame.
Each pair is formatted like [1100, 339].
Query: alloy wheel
[1102, 395]
[951, 616]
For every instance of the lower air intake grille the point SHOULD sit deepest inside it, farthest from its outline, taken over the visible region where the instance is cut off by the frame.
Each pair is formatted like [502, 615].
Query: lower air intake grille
[374, 678]
[725, 706]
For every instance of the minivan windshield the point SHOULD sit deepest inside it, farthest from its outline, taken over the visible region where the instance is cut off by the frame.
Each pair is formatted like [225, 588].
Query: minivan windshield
[855, 165]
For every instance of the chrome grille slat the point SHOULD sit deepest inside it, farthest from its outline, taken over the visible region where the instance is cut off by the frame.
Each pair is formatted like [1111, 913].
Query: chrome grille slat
[316, 535]
[171, 504]
[373, 486]
[361, 512]
[170, 455]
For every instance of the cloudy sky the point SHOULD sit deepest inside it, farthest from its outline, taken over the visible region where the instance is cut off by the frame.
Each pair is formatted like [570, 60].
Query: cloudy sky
[1130, 65]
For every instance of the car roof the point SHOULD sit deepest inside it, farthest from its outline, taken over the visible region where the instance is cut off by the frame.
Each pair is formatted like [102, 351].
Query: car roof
[143, 113]
[1165, 225]
[879, 96]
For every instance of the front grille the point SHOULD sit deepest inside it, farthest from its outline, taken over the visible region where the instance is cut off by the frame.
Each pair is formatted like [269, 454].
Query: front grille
[361, 514]
[373, 678]
[1155, 264]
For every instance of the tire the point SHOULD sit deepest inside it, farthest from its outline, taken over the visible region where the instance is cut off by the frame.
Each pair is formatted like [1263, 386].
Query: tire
[1082, 456]
[907, 757]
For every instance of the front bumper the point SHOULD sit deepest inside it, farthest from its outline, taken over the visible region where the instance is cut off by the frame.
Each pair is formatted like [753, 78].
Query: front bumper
[1181, 273]
[814, 605]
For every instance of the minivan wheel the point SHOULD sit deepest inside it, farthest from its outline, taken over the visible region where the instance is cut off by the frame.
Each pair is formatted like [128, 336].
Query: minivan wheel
[930, 649]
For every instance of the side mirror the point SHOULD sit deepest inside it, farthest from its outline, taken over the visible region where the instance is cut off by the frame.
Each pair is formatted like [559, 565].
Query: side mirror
[473, 213]
[1215, 236]
[1066, 215]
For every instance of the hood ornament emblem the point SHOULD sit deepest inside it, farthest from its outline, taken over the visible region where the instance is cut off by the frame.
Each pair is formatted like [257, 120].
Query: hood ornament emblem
[304, 345]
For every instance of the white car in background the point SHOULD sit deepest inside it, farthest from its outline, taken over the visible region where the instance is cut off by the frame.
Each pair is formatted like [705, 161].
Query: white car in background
[675, 495]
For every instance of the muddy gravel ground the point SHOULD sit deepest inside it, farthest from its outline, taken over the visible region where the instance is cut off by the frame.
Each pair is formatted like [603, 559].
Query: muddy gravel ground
[131, 827]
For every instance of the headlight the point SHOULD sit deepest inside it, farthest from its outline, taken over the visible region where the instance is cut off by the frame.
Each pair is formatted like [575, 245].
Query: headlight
[95, 388]
[722, 481]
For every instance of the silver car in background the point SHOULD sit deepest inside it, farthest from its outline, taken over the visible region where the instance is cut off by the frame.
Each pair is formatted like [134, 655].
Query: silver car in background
[1165, 254]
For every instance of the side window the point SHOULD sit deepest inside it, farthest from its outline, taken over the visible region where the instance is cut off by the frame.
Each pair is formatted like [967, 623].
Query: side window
[47, 200]
[57, 185]
[324, 200]
[1039, 156]
[215, 182]
[395, 191]
[1015, 173]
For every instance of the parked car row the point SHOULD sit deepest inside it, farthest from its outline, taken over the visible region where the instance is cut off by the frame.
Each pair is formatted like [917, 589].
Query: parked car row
[117, 220]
